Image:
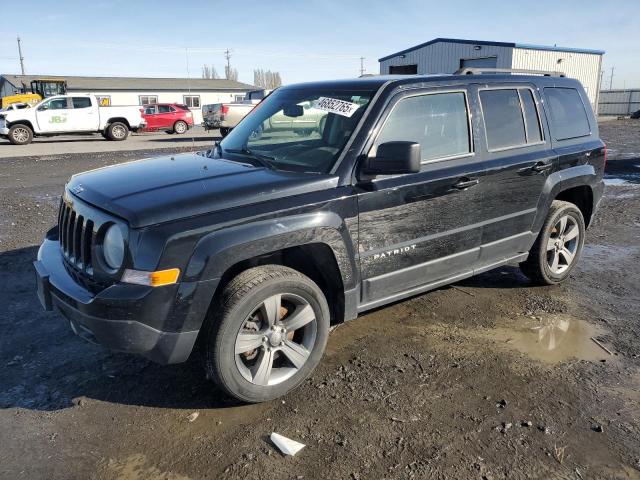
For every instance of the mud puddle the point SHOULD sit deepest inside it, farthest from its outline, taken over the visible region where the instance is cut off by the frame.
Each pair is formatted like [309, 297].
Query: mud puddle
[553, 339]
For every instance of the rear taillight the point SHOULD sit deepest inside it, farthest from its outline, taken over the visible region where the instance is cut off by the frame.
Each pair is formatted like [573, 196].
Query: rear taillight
[225, 109]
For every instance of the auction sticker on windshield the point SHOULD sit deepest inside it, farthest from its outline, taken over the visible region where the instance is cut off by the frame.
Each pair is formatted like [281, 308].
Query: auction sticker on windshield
[339, 107]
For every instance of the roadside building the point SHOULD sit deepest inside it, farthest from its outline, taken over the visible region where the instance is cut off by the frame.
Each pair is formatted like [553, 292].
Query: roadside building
[446, 55]
[139, 91]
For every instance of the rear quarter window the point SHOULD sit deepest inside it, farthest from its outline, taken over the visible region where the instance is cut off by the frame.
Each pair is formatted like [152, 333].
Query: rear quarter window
[568, 114]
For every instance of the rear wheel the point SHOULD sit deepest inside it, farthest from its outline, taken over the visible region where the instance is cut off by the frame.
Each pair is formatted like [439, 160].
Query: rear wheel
[558, 246]
[20, 134]
[180, 127]
[267, 333]
[117, 131]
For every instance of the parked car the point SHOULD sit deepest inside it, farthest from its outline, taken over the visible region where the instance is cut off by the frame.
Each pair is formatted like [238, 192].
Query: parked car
[15, 106]
[225, 116]
[69, 114]
[415, 182]
[170, 117]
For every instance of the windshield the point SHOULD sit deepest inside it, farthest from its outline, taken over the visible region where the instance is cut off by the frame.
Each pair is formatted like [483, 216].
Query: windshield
[297, 129]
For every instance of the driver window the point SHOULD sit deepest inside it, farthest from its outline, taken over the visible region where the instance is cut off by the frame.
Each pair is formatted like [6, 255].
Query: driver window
[438, 122]
[150, 110]
[54, 104]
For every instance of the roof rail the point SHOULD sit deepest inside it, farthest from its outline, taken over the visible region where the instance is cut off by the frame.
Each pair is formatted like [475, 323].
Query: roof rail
[475, 71]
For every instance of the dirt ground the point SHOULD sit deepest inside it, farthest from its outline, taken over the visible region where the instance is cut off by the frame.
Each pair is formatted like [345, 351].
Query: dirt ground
[488, 379]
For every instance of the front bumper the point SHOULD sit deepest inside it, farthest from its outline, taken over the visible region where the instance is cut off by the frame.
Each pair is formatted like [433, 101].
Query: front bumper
[161, 323]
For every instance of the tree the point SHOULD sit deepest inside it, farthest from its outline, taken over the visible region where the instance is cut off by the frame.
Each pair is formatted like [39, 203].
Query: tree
[230, 73]
[210, 72]
[266, 79]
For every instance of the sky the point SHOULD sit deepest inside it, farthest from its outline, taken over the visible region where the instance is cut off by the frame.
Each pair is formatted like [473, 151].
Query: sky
[303, 40]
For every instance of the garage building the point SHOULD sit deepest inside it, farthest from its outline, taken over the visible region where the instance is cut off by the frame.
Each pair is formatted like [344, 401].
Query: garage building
[446, 55]
[138, 91]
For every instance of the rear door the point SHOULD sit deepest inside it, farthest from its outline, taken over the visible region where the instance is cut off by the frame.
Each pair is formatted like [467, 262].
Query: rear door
[53, 115]
[518, 159]
[422, 229]
[83, 117]
[166, 116]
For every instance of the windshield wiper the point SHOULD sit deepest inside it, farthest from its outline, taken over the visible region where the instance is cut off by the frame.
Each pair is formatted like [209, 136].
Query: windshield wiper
[263, 160]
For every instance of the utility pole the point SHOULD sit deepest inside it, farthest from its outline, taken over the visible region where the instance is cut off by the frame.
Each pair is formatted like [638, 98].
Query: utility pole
[20, 55]
[611, 80]
[227, 55]
[362, 66]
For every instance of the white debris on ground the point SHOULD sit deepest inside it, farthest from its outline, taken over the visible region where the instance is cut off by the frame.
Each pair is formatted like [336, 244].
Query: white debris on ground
[193, 417]
[286, 445]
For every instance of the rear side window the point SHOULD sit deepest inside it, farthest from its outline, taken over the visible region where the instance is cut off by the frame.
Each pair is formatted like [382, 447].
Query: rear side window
[81, 102]
[568, 115]
[438, 122]
[532, 121]
[503, 118]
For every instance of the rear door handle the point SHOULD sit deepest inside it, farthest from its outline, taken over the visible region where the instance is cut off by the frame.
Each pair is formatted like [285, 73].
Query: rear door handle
[465, 183]
[542, 167]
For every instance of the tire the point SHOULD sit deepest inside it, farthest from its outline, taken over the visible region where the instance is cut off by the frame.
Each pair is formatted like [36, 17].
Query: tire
[20, 134]
[224, 131]
[239, 323]
[117, 131]
[557, 249]
[180, 127]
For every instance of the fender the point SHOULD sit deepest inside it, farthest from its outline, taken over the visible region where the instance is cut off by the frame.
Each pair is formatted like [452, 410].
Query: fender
[561, 180]
[218, 251]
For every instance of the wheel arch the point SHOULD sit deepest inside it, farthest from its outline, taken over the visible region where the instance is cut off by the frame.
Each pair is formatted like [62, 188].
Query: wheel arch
[117, 119]
[579, 185]
[26, 123]
[314, 244]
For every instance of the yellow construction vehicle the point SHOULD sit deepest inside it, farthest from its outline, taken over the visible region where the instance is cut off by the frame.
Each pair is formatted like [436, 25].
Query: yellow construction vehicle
[41, 88]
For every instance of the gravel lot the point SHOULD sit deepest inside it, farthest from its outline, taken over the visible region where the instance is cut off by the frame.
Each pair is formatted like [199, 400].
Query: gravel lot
[487, 379]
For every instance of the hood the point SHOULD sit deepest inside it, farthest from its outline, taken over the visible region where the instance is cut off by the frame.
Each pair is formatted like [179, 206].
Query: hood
[157, 190]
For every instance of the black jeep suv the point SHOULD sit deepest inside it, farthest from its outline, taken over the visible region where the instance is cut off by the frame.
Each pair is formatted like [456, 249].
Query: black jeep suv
[329, 199]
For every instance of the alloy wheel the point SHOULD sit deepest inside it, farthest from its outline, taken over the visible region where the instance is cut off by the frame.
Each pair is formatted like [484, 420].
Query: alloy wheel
[276, 339]
[119, 131]
[20, 135]
[562, 244]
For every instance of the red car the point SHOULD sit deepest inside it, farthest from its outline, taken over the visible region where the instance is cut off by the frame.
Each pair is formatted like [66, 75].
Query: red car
[170, 117]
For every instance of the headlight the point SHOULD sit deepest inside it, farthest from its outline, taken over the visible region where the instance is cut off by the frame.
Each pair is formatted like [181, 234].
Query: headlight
[113, 247]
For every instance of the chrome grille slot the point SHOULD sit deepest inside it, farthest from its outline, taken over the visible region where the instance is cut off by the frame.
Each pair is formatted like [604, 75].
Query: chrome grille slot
[76, 238]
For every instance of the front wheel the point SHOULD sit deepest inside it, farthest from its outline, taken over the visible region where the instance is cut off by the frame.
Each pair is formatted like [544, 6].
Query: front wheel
[20, 134]
[557, 249]
[266, 334]
[117, 131]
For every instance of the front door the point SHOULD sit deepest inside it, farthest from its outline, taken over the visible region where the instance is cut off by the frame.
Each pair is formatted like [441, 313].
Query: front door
[53, 115]
[151, 116]
[420, 230]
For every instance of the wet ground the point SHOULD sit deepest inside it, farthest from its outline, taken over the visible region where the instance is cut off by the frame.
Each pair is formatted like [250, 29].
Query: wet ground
[490, 378]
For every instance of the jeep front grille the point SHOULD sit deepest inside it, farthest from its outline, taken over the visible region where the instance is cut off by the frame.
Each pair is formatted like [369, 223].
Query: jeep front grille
[76, 237]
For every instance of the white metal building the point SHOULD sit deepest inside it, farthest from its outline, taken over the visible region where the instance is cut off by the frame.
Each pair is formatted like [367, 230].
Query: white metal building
[446, 55]
[138, 91]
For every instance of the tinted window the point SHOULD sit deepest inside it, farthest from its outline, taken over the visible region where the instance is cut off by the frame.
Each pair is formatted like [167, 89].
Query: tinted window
[81, 102]
[150, 110]
[164, 108]
[57, 104]
[502, 118]
[568, 115]
[531, 116]
[438, 122]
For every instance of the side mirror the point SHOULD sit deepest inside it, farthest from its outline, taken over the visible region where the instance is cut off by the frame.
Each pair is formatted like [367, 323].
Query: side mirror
[43, 107]
[293, 111]
[394, 158]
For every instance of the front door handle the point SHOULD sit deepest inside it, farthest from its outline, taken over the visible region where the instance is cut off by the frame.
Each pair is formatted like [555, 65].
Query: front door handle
[542, 167]
[465, 183]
